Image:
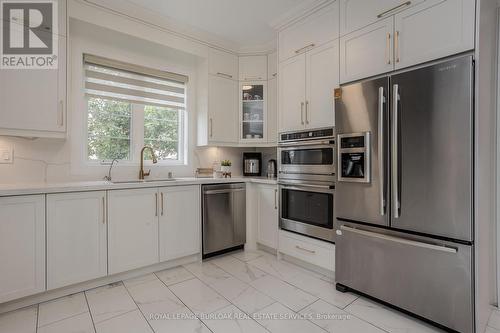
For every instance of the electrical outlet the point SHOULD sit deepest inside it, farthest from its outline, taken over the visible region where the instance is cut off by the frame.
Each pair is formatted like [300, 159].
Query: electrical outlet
[6, 155]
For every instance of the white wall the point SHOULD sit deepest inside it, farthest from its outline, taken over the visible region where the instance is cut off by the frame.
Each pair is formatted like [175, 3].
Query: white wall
[48, 160]
[485, 243]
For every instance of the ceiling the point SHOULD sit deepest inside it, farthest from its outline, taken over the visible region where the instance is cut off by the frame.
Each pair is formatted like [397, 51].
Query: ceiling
[243, 25]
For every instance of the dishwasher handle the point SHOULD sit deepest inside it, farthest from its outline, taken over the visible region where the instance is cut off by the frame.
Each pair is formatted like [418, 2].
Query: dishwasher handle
[224, 191]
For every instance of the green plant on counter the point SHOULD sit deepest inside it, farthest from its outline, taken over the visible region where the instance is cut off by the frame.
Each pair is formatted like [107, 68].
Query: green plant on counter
[225, 163]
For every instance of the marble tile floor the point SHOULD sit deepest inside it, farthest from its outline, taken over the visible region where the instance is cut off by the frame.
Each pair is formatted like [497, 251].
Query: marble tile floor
[241, 292]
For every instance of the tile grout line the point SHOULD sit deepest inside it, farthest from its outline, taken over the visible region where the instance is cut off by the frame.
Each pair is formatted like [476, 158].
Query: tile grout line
[90, 312]
[229, 301]
[187, 307]
[63, 319]
[138, 307]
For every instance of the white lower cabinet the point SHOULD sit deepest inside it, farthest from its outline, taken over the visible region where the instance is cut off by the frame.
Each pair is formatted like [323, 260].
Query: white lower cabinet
[267, 215]
[132, 229]
[312, 251]
[22, 246]
[179, 221]
[76, 238]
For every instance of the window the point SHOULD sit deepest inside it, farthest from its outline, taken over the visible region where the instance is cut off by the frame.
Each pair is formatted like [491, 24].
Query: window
[128, 107]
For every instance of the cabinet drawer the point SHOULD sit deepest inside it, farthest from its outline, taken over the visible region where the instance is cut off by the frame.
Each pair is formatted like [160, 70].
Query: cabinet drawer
[223, 64]
[310, 250]
[314, 30]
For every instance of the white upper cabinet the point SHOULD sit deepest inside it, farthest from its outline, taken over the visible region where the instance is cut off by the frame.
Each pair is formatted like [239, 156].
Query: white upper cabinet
[76, 238]
[223, 64]
[272, 110]
[312, 31]
[322, 77]
[433, 29]
[132, 229]
[222, 110]
[180, 221]
[253, 68]
[272, 65]
[356, 14]
[292, 94]
[367, 52]
[22, 246]
[33, 101]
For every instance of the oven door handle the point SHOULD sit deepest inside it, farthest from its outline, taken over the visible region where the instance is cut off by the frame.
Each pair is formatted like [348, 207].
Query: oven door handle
[307, 143]
[301, 187]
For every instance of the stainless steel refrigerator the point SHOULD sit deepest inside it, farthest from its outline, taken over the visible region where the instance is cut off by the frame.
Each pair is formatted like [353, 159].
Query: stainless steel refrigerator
[404, 193]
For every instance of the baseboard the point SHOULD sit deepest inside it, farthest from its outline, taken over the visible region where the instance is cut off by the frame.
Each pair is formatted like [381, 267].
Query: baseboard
[73, 289]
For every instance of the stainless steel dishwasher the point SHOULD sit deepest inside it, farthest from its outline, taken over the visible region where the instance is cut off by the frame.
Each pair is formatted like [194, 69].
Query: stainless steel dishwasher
[224, 218]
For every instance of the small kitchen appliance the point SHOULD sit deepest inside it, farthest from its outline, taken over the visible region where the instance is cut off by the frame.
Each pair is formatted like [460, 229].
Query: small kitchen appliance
[252, 164]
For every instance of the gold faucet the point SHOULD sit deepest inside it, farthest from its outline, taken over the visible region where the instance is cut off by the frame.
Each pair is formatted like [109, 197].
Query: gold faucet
[143, 173]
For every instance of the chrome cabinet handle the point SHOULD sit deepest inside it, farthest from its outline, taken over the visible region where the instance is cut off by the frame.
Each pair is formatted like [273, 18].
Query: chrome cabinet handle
[388, 49]
[302, 112]
[211, 130]
[229, 76]
[156, 204]
[103, 210]
[253, 78]
[61, 114]
[396, 46]
[161, 198]
[395, 150]
[400, 240]
[304, 48]
[224, 191]
[307, 112]
[275, 199]
[306, 250]
[407, 3]
[381, 158]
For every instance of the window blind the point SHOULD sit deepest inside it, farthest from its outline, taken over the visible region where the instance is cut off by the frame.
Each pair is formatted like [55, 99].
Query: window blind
[106, 78]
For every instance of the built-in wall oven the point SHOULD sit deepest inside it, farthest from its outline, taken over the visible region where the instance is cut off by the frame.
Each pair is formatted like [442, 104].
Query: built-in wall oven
[306, 175]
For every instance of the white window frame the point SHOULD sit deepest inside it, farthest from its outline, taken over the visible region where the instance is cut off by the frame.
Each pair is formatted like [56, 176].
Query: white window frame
[137, 139]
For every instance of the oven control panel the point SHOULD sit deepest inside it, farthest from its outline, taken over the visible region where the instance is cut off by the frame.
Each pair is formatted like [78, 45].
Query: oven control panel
[354, 157]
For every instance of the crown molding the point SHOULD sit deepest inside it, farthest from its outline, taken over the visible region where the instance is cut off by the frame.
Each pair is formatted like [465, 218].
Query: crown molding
[297, 13]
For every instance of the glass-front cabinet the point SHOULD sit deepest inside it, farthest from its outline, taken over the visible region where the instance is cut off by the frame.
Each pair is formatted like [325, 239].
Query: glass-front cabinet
[253, 112]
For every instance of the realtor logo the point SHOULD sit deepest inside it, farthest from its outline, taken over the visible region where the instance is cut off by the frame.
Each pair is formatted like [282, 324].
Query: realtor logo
[29, 34]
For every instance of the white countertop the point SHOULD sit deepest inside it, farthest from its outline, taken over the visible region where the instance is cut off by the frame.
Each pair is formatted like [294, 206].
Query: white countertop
[42, 188]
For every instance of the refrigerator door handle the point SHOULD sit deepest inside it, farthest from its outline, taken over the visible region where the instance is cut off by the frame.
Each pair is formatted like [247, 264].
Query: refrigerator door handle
[442, 248]
[395, 153]
[381, 155]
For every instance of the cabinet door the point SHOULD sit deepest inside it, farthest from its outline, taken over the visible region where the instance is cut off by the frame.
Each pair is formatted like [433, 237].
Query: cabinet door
[322, 71]
[44, 110]
[312, 31]
[253, 68]
[223, 110]
[76, 238]
[272, 65]
[180, 222]
[272, 111]
[267, 208]
[253, 106]
[357, 14]
[223, 64]
[132, 229]
[432, 30]
[22, 246]
[367, 52]
[292, 90]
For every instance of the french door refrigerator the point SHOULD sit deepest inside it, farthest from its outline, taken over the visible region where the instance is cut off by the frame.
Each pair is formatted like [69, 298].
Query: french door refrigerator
[404, 192]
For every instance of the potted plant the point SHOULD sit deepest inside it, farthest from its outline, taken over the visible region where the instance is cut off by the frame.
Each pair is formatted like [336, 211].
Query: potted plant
[225, 166]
